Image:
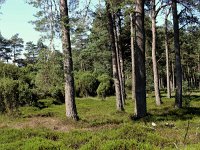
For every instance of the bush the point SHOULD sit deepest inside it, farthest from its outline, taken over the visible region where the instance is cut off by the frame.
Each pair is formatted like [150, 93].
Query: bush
[25, 93]
[105, 87]
[58, 94]
[128, 84]
[8, 94]
[44, 103]
[85, 84]
[9, 71]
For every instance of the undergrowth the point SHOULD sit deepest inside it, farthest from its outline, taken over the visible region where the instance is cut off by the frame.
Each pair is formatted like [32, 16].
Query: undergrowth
[101, 127]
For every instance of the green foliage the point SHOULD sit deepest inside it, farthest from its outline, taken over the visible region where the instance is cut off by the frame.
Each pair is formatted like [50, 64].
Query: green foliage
[25, 93]
[105, 87]
[86, 84]
[5, 48]
[101, 127]
[16, 44]
[49, 79]
[29, 139]
[9, 71]
[8, 95]
[44, 103]
[128, 84]
[95, 55]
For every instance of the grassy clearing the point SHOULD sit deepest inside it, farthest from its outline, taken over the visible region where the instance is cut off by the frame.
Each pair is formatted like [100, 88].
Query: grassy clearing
[102, 128]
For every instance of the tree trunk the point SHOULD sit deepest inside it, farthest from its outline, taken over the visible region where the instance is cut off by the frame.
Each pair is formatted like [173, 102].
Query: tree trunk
[178, 69]
[114, 59]
[167, 56]
[173, 78]
[132, 19]
[71, 111]
[155, 67]
[199, 70]
[14, 54]
[121, 56]
[117, 47]
[140, 76]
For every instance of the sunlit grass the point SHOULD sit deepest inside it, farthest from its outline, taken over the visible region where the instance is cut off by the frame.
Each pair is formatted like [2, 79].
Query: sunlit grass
[102, 127]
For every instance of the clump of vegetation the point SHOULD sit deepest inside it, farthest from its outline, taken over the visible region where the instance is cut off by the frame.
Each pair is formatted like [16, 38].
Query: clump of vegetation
[105, 87]
[101, 127]
[8, 95]
[86, 84]
[45, 103]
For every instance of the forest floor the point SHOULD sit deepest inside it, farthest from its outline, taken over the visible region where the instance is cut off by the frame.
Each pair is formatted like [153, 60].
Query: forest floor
[102, 128]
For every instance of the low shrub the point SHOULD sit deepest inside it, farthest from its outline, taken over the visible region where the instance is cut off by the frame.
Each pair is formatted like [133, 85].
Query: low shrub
[105, 87]
[44, 103]
[85, 84]
[8, 95]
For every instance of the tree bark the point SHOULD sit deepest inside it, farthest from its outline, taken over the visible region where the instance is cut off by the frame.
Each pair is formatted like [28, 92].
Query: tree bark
[140, 85]
[117, 47]
[167, 55]
[71, 111]
[132, 19]
[199, 70]
[119, 103]
[178, 69]
[155, 67]
[121, 56]
[173, 78]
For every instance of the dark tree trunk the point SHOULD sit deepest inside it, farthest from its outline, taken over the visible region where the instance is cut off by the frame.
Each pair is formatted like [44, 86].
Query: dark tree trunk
[114, 59]
[71, 111]
[178, 69]
[140, 74]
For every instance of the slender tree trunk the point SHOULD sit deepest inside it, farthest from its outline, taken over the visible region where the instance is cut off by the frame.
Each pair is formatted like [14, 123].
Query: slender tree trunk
[178, 98]
[173, 78]
[121, 56]
[132, 18]
[155, 67]
[140, 73]
[14, 54]
[167, 56]
[188, 75]
[71, 111]
[199, 70]
[117, 46]
[114, 59]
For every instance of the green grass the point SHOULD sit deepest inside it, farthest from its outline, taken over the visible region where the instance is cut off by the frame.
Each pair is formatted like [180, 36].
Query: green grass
[101, 127]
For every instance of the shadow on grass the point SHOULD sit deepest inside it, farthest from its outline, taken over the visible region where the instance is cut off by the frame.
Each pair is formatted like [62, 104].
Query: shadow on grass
[195, 98]
[167, 114]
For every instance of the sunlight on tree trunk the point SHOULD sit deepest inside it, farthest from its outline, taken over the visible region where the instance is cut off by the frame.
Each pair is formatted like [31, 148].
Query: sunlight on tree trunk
[155, 67]
[132, 24]
[119, 102]
[71, 111]
[167, 56]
